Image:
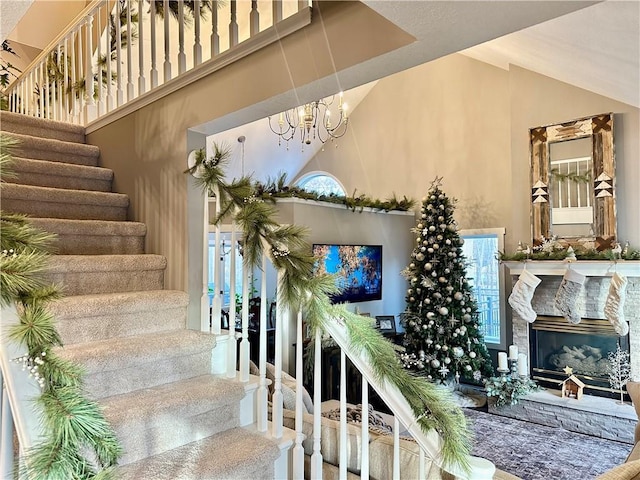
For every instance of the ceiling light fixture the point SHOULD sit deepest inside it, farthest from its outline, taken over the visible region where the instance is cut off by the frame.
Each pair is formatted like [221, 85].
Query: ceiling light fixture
[313, 121]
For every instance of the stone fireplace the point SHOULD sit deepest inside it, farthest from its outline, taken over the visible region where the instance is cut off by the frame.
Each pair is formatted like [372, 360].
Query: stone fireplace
[551, 343]
[594, 328]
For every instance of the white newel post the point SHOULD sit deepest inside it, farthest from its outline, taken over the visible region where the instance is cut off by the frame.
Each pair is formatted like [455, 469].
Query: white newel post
[263, 413]
[298, 449]
[232, 348]
[396, 448]
[206, 315]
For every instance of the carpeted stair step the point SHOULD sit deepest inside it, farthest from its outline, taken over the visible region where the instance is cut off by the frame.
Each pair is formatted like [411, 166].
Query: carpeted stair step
[94, 237]
[87, 274]
[42, 173]
[234, 454]
[85, 318]
[172, 415]
[124, 364]
[40, 127]
[38, 148]
[60, 203]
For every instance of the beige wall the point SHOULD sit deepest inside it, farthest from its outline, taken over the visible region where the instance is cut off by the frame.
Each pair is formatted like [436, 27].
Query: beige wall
[468, 122]
[449, 118]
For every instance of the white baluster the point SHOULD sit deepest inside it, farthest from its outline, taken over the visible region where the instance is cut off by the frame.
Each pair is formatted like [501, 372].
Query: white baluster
[47, 84]
[81, 65]
[316, 456]
[141, 80]
[23, 96]
[233, 25]
[262, 389]
[182, 58]
[89, 113]
[130, 93]
[298, 450]
[6, 436]
[197, 48]
[364, 467]
[40, 81]
[53, 85]
[100, 108]
[244, 343]
[154, 69]
[59, 98]
[66, 106]
[254, 19]
[396, 449]
[342, 462]
[276, 11]
[421, 462]
[119, 91]
[218, 274]
[277, 412]
[232, 344]
[74, 78]
[215, 37]
[109, 105]
[167, 43]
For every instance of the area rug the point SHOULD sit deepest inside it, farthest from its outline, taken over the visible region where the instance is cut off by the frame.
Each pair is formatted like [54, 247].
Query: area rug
[537, 452]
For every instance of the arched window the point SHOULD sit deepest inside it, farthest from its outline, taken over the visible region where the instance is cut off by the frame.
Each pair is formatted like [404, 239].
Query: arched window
[321, 183]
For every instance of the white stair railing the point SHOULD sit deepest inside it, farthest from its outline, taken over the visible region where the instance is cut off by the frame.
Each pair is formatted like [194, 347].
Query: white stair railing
[68, 79]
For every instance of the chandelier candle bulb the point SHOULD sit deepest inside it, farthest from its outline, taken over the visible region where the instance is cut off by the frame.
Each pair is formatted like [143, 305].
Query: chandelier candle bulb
[502, 361]
[523, 367]
[513, 352]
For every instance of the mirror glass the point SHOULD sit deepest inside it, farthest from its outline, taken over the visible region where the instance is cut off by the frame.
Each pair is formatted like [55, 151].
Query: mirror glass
[573, 182]
[570, 188]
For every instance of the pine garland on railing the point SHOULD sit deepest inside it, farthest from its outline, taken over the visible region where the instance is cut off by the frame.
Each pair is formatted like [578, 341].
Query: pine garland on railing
[78, 443]
[300, 289]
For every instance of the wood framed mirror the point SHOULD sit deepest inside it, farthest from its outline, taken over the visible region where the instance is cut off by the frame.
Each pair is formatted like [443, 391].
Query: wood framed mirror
[573, 182]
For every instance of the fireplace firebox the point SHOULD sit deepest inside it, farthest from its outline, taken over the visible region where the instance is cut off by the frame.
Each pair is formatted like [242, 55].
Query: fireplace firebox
[585, 347]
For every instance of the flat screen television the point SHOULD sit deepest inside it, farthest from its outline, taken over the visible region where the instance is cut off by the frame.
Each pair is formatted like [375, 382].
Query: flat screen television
[358, 270]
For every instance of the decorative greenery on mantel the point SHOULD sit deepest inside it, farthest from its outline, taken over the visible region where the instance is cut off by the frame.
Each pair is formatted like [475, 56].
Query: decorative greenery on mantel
[77, 441]
[300, 289]
[274, 189]
[552, 249]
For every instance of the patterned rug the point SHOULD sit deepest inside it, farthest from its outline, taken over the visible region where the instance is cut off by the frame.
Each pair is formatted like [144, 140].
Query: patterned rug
[537, 452]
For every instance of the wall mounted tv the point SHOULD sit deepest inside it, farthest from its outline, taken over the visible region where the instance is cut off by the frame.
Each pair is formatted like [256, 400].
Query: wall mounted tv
[358, 270]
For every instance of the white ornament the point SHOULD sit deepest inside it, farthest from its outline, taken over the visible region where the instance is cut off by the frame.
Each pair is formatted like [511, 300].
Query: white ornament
[447, 241]
[428, 266]
[430, 314]
[430, 250]
[443, 310]
[468, 368]
[432, 228]
[442, 280]
[447, 360]
[441, 218]
[472, 354]
[420, 257]
[436, 246]
[458, 352]
[458, 295]
[435, 363]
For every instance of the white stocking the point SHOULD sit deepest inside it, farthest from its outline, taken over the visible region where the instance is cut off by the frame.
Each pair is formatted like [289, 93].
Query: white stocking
[567, 295]
[521, 295]
[614, 306]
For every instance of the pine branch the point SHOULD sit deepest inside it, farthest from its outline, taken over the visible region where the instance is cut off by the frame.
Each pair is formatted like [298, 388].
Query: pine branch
[18, 274]
[36, 328]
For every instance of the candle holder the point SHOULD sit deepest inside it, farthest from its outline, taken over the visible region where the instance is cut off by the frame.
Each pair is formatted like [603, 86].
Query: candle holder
[503, 371]
[513, 365]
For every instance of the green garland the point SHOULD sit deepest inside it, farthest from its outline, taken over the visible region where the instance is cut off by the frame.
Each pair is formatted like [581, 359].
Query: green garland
[300, 289]
[581, 254]
[78, 443]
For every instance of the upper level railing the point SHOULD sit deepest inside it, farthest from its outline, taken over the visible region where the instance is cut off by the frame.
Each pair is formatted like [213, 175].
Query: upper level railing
[116, 51]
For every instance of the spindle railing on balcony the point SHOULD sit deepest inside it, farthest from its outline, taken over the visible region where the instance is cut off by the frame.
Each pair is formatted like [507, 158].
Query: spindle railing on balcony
[116, 51]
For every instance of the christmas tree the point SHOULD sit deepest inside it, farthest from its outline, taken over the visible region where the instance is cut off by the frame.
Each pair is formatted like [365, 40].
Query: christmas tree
[442, 338]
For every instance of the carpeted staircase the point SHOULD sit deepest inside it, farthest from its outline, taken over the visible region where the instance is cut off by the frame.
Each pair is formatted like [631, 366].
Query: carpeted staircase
[152, 375]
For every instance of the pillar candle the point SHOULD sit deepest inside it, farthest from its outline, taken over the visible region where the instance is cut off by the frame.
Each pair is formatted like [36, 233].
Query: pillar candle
[513, 352]
[502, 361]
[523, 367]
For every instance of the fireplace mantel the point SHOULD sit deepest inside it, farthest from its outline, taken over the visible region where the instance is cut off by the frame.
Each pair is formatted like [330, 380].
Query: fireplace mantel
[590, 268]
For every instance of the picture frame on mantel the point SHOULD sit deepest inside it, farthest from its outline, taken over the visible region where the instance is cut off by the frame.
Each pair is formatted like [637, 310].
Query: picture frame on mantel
[573, 196]
[386, 324]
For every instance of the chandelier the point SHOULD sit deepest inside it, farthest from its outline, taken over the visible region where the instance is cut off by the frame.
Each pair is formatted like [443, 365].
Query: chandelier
[312, 121]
